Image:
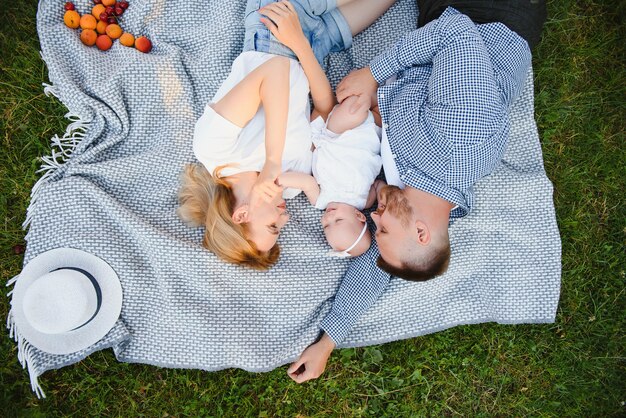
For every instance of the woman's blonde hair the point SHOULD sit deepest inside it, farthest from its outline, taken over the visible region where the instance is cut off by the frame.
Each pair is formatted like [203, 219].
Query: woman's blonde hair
[207, 200]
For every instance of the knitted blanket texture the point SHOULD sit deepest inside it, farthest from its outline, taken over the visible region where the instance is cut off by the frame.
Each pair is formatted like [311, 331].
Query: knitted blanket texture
[110, 185]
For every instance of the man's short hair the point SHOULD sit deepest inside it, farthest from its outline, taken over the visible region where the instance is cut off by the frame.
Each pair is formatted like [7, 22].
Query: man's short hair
[420, 268]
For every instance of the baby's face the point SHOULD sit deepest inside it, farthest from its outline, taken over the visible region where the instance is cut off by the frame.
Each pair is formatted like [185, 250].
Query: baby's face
[342, 225]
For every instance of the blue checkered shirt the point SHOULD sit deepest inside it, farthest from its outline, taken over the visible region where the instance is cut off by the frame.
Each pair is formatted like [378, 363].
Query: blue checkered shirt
[446, 118]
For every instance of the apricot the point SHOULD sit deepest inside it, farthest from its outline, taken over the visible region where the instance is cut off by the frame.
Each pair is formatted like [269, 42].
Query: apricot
[143, 44]
[101, 27]
[88, 37]
[88, 22]
[127, 39]
[71, 18]
[114, 30]
[97, 10]
[108, 2]
[103, 42]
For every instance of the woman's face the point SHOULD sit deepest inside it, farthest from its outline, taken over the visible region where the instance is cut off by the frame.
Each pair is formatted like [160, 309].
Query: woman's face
[265, 222]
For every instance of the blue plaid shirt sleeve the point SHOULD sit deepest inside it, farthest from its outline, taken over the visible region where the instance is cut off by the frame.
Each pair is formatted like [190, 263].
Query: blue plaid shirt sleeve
[420, 46]
[362, 285]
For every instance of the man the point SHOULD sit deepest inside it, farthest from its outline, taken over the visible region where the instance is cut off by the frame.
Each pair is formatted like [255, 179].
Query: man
[443, 92]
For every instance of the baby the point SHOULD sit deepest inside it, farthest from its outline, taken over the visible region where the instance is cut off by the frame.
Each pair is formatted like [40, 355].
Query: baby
[346, 161]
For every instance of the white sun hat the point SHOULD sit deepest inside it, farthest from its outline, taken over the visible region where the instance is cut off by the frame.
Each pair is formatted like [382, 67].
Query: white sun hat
[65, 300]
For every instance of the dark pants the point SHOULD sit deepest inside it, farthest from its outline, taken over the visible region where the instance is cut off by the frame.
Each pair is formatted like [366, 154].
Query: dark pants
[525, 17]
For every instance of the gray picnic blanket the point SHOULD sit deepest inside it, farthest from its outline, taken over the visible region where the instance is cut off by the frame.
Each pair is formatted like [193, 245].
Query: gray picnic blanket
[110, 185]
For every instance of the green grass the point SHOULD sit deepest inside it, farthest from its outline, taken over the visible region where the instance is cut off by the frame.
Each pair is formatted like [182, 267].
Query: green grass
[575, 367]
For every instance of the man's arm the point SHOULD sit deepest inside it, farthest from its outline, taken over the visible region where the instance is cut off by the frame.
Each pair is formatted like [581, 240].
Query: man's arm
[360, 288]
[418, 47]
[422, 45]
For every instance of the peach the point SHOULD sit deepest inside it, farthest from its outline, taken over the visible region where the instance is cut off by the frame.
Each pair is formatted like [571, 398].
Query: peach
[127, 39]
[108, 2]
[143, 44]
[97, 10]
[103, 42]
[71, 19]
[114, 30]
[101, 27]
[88, 22]
[88, 37]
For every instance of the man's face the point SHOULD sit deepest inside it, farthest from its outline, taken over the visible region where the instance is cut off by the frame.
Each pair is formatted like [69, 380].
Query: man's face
[393, 224]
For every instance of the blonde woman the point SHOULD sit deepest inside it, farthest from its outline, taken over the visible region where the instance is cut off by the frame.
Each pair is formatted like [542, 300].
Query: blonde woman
[257, 124]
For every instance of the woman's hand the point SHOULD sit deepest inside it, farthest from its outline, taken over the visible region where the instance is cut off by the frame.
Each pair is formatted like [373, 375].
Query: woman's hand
[265, 188]
[284, 24]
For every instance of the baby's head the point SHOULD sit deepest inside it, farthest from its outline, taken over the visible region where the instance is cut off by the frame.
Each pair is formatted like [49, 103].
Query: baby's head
[345, 227]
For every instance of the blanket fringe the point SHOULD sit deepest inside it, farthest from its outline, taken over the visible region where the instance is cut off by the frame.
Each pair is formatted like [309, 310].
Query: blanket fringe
[61, 150]
[25, 351]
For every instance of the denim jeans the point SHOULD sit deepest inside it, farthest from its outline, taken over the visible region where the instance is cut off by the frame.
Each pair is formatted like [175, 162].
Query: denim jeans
[322, 23]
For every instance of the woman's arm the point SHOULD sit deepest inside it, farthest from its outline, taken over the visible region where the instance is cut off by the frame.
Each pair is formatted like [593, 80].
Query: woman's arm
[267, 86]
[285, 26]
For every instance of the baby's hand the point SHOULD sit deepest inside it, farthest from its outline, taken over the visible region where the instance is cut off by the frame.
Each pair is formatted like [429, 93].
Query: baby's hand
[302, 181]
[290, 179]
[373, 195]
[378, 184]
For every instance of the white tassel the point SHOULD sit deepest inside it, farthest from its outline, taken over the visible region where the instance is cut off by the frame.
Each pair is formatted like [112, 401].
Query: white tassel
[61, 150]
[10, 282]
[10, 324]
[49, 89]
[25, 351]
[21, 348]
[34, 376]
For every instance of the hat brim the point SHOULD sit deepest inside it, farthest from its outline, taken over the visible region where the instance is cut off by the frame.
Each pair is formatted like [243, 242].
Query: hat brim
[90, 333]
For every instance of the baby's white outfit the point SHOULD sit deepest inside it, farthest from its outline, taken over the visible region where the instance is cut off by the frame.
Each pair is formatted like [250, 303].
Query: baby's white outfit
[345, 165]
[217, 141]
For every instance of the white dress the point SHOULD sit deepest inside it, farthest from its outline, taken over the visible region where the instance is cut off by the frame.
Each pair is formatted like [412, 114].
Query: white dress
[345, 165]
[217, 141]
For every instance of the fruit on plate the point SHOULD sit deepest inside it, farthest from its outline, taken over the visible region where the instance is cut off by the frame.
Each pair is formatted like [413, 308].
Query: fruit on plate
[108, 2]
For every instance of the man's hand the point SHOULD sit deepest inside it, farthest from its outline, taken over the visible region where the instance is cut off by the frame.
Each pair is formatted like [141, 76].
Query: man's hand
[358, 83]
[312, 361]
[284, 24]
